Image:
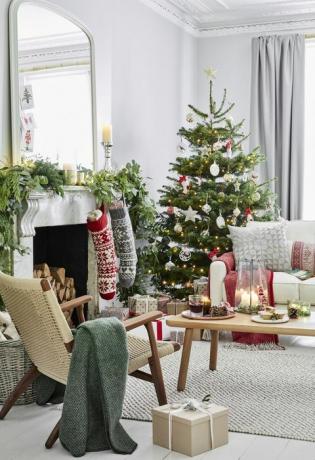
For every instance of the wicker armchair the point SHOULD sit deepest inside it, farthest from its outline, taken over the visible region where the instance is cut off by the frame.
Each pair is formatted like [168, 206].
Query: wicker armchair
[49, 341]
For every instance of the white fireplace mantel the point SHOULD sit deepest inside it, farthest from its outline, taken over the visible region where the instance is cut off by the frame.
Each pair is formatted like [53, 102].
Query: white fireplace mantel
[46, 209]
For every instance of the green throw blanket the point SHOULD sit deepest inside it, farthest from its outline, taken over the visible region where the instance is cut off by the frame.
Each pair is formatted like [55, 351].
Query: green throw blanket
[95, 390]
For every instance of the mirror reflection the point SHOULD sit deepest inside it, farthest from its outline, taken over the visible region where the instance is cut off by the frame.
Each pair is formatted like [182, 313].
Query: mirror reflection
[54, 64]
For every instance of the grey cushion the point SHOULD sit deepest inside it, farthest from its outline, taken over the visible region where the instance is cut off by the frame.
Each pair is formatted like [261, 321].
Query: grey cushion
[266, 243]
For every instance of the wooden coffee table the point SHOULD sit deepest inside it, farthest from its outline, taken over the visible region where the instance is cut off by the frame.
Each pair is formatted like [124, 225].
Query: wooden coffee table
[242, 323]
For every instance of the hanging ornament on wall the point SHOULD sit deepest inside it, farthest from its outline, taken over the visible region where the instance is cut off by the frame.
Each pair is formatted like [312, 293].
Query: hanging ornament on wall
[170, 210]
[185, 254]
[256, 196]
[236, 211]
[237, 186]
[190, 214]
[178, 228]
[220, 221]
[214, 169]
[169, 265]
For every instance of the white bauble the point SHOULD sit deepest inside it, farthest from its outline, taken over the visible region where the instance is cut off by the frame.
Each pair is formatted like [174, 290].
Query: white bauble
[220, 221]
[228, 177]
[206, 208]
[214, 169]
[169, 265]
[190, 117]
[256, 196]
[178, 228]
[236, 212]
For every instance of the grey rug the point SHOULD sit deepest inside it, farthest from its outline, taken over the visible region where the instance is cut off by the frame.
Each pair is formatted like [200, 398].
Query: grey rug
[268, 393]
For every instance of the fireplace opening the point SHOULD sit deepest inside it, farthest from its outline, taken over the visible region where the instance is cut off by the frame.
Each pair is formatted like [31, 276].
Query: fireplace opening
[64, 246]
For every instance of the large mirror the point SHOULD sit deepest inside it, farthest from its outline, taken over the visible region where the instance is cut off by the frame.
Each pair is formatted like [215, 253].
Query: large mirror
[52, 86]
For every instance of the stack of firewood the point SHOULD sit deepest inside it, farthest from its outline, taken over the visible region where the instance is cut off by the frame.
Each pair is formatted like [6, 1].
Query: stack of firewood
[62, 286]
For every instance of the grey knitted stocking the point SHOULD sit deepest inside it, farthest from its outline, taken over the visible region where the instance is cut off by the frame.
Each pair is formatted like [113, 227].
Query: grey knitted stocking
[125, 245]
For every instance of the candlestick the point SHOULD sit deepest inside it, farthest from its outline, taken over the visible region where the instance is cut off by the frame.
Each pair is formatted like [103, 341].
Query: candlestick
[108, 156]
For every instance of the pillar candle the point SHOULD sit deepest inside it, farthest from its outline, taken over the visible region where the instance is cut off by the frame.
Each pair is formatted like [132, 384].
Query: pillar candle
[107, 134]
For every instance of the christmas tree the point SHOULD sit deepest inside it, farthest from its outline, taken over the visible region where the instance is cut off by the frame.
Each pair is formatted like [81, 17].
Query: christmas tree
[213, 185]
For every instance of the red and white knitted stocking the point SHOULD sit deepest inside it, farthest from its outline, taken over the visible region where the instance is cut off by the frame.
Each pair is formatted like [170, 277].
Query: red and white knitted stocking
[102, 236]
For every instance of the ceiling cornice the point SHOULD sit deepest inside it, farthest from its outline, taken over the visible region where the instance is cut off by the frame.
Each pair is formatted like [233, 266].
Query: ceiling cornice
[164, 8]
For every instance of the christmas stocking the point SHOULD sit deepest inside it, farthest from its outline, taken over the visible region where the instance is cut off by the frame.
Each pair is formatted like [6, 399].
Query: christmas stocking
[105, 253]
[124, 243]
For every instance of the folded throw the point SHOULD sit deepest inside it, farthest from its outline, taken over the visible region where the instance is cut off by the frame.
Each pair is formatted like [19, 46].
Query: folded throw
[95, 390]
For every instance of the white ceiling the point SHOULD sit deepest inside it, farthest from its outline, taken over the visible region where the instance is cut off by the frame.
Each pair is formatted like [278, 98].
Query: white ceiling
[212, 16]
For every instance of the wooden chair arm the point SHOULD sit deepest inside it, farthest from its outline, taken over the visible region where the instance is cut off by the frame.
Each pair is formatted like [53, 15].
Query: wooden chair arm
[141, 320]
[77, 303]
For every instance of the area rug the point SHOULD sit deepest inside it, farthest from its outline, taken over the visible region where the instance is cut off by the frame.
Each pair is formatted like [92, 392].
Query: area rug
[269, 393]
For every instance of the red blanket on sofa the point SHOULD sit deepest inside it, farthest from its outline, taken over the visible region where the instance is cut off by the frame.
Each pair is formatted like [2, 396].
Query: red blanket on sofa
[230, 287]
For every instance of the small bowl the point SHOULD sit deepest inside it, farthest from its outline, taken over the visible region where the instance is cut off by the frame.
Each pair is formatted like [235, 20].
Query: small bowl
[265, 314]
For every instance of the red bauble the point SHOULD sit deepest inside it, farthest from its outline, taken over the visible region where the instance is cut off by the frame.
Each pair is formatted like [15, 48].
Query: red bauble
[170, 210]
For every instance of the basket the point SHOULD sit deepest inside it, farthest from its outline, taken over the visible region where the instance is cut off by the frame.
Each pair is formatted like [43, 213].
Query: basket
[14, 363]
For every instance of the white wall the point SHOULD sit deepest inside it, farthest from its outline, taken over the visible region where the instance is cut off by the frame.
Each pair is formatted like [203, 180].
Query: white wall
[145, 75]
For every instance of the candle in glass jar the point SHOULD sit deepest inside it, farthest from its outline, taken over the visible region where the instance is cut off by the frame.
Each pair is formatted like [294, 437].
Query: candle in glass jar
[107, 134]
[246, 298]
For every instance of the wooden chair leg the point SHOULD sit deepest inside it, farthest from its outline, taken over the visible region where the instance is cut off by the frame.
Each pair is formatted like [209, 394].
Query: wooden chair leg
[155, 367]
[54, 435]
[21, 387]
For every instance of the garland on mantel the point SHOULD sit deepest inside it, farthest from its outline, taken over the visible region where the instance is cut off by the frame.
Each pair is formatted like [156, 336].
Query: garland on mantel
[17, 183]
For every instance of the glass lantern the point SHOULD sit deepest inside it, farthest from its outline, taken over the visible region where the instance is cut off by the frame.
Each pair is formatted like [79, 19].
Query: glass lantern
[251, 293]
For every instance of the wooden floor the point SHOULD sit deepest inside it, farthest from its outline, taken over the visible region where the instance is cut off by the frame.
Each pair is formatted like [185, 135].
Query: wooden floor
[25, 429]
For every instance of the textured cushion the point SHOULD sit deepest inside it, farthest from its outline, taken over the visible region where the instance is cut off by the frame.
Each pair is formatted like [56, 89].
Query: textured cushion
[303, 256]
[285, 287]
[266, 243]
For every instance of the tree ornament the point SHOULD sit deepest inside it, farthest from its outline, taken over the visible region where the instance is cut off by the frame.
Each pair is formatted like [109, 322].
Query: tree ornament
[236, 212]
[256, 196]
[228, 177]
[190, 215]
[190, 117]
[185, 254]
[214, 169]
[211, 73]
[178, 228]
[217, 146]
[249, 215]
[255, 176]
[221, 195]
[206, 208]
[220, 221]
[205, 233]
[170, 210]
[237, 186]
[169, 265]
[185, 183]
[228, 146]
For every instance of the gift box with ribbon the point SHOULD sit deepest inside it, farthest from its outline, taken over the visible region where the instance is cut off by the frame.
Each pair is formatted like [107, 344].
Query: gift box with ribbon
[163, 300]
[201, 286]
[176, 306]
[139, 304]
[191, 427]
[160, 328]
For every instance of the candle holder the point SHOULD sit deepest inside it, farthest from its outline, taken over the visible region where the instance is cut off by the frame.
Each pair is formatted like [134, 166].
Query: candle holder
[251, 293]
[108, 155]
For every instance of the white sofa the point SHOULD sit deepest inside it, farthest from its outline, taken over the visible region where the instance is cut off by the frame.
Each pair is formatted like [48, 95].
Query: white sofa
[286, 287]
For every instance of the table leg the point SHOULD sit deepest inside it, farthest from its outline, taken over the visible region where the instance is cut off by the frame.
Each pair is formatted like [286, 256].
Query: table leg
[214, 350]
[181, 384]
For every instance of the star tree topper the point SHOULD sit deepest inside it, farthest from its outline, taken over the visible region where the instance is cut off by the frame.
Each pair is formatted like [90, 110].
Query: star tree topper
[190, 214]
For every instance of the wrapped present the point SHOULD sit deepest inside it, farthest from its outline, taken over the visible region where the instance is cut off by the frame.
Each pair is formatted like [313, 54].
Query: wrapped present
[160, 328]
[163, 300]
[201, 286]
[139, 304]
[190, 428]
[121, 313]
[176, 306]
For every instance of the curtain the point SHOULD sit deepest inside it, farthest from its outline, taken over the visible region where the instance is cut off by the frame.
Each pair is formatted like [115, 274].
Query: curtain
[277, 115]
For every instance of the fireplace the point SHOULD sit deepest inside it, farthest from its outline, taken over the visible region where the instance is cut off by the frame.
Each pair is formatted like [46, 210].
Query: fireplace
[53, 228]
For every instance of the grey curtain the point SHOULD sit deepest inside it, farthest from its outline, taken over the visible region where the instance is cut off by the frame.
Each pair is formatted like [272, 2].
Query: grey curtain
[277, 115]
